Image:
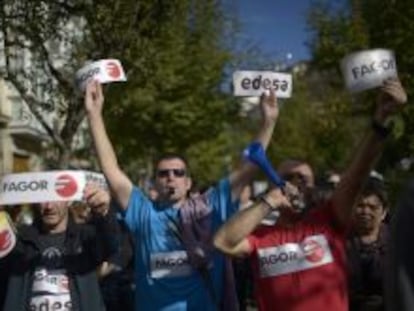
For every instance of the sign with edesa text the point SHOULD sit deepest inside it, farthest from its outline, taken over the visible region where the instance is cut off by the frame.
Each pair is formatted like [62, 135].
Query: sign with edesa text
[254, 83]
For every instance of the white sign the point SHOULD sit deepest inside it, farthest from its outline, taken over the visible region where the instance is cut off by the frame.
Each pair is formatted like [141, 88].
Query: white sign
[368, 69]
[104, 71]
[44, 187]
[170, 264]
[254, 83]
[312, 252]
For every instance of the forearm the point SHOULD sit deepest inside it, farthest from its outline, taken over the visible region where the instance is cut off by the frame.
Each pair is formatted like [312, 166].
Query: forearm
[265, 133]
[244, 175]
[105, 152]
[240, 226]
[356, 174]
[120, 185]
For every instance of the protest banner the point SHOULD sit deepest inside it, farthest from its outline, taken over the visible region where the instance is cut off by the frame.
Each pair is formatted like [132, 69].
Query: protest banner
[48, 186]
[254, 83]
[104, 71]
[368, 69]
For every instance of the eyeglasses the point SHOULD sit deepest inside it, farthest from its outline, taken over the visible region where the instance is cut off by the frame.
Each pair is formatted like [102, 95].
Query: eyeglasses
[177, 172]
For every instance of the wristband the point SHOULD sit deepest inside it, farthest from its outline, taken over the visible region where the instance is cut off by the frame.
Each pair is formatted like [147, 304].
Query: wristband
[381, 130]
[265, 201]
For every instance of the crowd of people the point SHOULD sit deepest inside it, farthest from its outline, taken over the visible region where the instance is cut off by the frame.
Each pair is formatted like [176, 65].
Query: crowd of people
[226, 248]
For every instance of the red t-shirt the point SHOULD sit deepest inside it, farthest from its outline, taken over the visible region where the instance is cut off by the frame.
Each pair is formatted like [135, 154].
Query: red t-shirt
[303, 267]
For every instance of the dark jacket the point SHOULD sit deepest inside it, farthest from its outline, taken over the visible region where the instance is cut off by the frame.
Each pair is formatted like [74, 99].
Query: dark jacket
[85, 247]
[367, 272]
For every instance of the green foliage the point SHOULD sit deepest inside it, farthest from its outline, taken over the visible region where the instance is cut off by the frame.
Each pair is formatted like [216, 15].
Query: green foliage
[367, 24]
[314, 125]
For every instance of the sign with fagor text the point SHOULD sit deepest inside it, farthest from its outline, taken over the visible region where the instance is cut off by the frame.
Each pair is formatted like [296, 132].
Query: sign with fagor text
[368, 69]
[254, 83]
[46, 186]
[104, 71]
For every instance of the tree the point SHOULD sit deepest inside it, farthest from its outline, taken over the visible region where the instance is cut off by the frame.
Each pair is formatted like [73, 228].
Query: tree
[367, 24]
[174, 52]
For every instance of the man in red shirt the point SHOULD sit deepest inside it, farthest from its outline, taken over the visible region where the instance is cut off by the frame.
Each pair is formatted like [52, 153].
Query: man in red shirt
[299, 263]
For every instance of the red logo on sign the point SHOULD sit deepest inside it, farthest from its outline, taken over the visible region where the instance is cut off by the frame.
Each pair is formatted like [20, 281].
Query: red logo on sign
[5, 240]
[113, 70]
[66, 186]
[314, 252]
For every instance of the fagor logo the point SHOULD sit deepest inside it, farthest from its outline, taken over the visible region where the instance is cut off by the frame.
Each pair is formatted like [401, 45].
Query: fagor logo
[313, 251]
[66, 186]
[112, 69]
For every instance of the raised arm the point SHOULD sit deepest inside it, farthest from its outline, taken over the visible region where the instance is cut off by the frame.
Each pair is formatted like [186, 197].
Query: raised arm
[231, 238]
[269, 111]
[120, 184]
[390, 100]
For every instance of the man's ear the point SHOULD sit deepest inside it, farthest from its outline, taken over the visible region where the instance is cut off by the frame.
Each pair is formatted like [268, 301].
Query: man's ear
[189, 183]
[384, 214]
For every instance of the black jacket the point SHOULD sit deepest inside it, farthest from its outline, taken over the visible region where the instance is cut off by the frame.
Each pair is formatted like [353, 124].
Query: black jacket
[85, 247]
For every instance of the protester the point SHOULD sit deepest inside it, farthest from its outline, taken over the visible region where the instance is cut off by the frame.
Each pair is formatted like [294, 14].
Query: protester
[53, 266]
[367, 248]
[299, 263]
[176, 265]
[116, 274]
[399, 288]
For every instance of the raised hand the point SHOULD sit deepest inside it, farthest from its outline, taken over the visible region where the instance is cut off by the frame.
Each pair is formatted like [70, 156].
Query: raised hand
[269, 106]
[391, 99]
[94, 98]
[97, 198]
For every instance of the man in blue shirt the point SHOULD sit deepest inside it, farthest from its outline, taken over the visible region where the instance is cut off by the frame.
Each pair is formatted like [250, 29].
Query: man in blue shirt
[176, 265]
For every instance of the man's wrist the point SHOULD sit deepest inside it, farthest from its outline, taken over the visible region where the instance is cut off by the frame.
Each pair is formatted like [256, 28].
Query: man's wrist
[267, 203]
[380, 129]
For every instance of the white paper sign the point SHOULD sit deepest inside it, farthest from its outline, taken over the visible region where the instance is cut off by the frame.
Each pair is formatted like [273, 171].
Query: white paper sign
[104, 71]
[368, 69]
[44, 187]
[254, 83]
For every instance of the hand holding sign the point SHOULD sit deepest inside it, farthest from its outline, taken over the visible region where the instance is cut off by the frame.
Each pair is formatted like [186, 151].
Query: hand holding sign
[368, 69]
[269, 106]
[97, 198]
[103, 71]
[391, 99]
[94, 98]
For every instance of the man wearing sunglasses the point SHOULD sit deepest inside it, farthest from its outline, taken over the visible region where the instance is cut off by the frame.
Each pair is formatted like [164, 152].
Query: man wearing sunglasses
[299, 263]
[177, 267]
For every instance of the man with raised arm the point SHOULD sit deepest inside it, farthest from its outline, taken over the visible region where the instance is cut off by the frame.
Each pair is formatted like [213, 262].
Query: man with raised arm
[53, 265]
[299, 263]
[176, 265]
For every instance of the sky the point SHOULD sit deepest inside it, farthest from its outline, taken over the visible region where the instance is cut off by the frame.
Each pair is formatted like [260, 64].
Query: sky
[278, 27]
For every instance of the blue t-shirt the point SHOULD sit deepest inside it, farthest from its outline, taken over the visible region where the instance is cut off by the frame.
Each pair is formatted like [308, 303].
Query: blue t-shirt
[165, 280]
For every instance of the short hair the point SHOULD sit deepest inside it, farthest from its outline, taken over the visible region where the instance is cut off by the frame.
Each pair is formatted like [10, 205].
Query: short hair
[375, 186]
[172, 156]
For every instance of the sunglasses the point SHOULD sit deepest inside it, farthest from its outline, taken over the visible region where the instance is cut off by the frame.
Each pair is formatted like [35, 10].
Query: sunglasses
[177, 172]
[295, 177]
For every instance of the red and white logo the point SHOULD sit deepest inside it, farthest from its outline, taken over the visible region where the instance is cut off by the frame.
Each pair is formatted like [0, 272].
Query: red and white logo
[310, 253]
[113, 70]
[313, 251]
[5, 240]
[66, 185]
